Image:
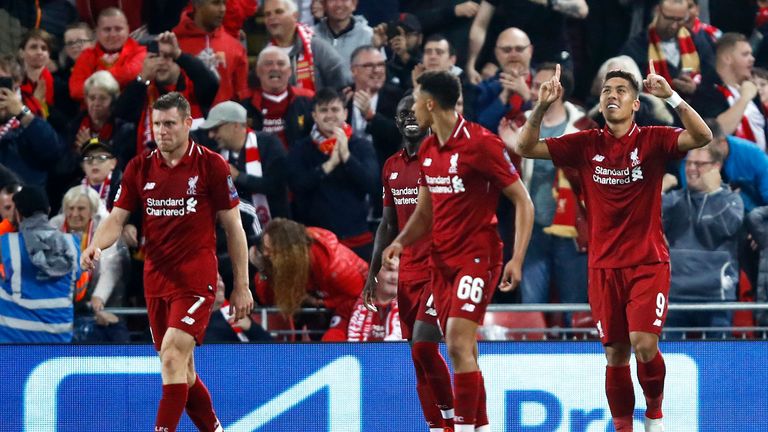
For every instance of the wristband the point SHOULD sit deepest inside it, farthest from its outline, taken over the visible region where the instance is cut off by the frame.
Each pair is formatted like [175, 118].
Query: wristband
[25, 111]
[674, 100]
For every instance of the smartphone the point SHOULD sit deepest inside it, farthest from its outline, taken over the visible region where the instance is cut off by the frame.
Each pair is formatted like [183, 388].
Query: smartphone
[152, 47]
[6, 82]
[393, 29]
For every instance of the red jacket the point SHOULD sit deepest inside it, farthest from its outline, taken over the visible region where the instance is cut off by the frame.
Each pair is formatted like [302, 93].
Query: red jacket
[228, 56]
[237, 12]
[124, 69]
[337, 276]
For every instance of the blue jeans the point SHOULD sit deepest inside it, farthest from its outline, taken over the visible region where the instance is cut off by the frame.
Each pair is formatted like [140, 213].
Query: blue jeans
[699, 319]
[550, 257]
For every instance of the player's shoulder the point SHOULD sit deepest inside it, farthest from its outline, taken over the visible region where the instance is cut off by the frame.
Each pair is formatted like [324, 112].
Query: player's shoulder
[654, 132]
[392, 161]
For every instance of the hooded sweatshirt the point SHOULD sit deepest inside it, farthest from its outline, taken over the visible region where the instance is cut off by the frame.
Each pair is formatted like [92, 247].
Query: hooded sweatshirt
[124, 69]
[222, 53]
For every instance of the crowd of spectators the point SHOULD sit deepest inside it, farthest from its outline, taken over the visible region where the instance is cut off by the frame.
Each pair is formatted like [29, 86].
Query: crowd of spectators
[300, 97]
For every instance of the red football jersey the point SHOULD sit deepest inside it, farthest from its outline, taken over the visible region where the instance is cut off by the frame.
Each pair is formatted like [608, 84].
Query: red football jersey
[621, 179]
[465, 177]
[400, 177]
[178, 206]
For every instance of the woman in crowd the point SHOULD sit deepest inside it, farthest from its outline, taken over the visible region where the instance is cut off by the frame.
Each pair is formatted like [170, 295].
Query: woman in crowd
[82, 211]
[308, 267]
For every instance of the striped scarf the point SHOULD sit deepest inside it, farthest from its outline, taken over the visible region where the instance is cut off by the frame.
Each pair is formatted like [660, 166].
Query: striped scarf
[253, 168]
[305, 62]
[10, 125]
[744, 130]
[689, 58]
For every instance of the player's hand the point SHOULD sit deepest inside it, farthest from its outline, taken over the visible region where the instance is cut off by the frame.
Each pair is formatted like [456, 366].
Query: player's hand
[513, 273]
[240, 303]
[390, 258]
[130, 235]
[551, 90]
[656, 84]
[369, 294]
[88, 259]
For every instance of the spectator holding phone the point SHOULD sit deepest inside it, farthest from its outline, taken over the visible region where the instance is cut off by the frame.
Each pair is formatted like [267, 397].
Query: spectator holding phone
[404, 40]
[332, 174]
[30, 146]
[114, 51]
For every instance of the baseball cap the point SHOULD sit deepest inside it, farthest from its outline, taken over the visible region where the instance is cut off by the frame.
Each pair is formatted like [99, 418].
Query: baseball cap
[225, 112]
[409, 22]
[96, 144]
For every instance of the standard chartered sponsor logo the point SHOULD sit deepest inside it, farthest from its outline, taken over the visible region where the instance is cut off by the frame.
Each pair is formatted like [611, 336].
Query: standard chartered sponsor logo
[405, 196]
[611, 176]
[445, 185]
[171, 206]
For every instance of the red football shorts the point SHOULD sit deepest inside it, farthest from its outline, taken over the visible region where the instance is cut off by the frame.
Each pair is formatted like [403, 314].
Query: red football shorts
[415, 304]
[464, 291]
[629, 299]
[187, 312]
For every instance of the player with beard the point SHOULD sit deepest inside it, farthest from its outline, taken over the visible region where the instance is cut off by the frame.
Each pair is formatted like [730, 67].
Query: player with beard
[463, 171]
[418, 320]
[621, 168]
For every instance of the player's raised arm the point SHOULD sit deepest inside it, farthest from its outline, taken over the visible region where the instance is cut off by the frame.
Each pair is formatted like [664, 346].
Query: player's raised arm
[513, 270]
[419, 224]
[106, 234]
[697, 133]
[529, 145]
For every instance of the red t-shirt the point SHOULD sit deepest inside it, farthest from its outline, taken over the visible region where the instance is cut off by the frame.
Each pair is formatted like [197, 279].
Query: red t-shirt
[465, 177]
[400, 177]
[621, 179]
[179, 206]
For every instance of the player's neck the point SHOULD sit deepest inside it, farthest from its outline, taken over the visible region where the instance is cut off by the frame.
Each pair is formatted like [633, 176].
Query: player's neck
[174, 157]
[619, 129]
[443, 123]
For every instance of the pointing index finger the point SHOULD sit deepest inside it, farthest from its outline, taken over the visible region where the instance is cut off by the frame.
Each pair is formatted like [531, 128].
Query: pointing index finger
[557, 72]
[651, 68]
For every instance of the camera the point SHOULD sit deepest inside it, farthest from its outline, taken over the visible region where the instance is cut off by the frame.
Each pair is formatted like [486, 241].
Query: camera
[6, 82]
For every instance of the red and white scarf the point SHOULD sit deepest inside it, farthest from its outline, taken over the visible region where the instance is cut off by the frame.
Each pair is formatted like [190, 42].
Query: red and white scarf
[224, 309]
[326, 144]
[689, 57]
[102, 189]
[305, 62]
[744, 130]
[10, 125]
[253, 168]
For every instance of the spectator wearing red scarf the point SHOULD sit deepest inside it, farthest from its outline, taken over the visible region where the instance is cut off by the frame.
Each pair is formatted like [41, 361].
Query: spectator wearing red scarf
[114, 52]
[731, 96]
[37, 89]
[682, 63]
[315, 63]
[201, 34]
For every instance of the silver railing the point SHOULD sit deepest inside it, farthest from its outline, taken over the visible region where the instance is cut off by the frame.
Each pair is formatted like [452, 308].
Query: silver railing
[499, 332]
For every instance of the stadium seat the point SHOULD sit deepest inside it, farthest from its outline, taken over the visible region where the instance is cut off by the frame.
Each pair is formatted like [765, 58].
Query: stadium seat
[497, 326]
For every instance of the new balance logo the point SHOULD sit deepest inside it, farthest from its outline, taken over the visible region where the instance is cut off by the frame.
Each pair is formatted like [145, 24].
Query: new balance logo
[431, 311]
[657, 323]
[468, 307]
[598, 158]
[149, 186]
[188, 320]
[393, 176]
[427, 162]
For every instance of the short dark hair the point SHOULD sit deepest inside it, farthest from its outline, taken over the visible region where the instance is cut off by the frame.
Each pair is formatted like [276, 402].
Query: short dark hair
[38, 34]
[728, 41]
[443, 86]
[173, 100]
[356, 52]
[566, 77]
[438, 37]
[618, 73]
[327, 95]
[30, 200]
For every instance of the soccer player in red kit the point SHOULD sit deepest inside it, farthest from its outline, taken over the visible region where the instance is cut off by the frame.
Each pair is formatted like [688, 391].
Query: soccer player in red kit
[180, 188]
[621, 167]
[464, 169]
[418, 319]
